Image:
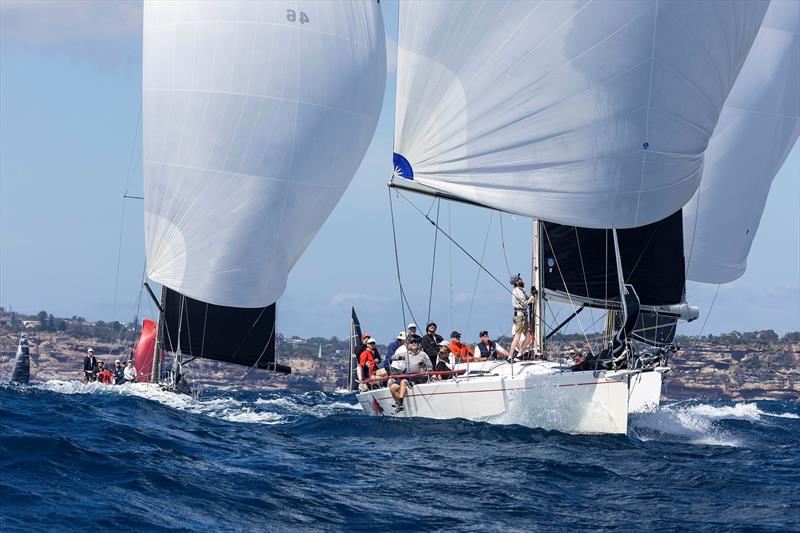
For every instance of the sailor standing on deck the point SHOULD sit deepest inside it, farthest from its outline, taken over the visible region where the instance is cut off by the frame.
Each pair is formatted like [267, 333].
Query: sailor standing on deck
[89, 364]
[430, 342]
[520, 300]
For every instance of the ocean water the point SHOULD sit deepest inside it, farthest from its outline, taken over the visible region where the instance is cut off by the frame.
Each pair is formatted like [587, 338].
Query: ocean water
[88, 457]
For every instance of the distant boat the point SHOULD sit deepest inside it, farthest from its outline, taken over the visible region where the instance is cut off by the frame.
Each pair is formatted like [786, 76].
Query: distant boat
[21, 372]
[255, 119]
[593, 120]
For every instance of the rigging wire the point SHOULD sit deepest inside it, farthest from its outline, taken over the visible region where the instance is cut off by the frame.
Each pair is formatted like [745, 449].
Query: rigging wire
[403, 300]
[478, 275]
[450, 258]
[433, 263]
[503, 244]
[403, 196]
[709, 311]
[128, 176]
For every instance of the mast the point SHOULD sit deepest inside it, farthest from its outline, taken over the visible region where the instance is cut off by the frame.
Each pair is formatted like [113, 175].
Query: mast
[537, 308]
[155, 373]
[350, 358]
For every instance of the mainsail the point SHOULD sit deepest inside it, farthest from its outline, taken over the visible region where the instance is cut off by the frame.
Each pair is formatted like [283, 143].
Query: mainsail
[256, 116]
[592, 114]
[759, 125]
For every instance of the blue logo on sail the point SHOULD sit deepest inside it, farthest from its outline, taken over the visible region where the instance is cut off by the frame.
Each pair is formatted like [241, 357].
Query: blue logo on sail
[402, 168]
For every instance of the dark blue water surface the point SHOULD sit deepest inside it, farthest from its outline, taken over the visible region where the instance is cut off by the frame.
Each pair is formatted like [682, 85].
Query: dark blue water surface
[75, 457]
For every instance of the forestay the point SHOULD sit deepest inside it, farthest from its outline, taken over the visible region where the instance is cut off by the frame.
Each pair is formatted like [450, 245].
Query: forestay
[594, 114]
[256, 116]
[758, 127]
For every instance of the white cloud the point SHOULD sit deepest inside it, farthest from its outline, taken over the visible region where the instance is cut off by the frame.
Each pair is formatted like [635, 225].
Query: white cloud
[105, 31]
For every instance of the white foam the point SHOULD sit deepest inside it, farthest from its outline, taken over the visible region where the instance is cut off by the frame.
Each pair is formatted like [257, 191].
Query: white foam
[686, 423]
[222, 408]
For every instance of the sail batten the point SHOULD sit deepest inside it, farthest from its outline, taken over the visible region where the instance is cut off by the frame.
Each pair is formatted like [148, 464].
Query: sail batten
[594, 114]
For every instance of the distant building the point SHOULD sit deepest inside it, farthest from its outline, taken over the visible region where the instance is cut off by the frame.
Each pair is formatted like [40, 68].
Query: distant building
[30, 324]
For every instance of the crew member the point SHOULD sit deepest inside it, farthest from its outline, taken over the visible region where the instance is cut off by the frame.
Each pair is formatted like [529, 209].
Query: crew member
[444, 360]
[130, 373]
[430, 342]
[119, 372]
[367, 359]
[461, 352]
[520, 300]
[393, 346]
[89, 364]
[104, 375]
[412, 331]
[487, 349]
[417, 362]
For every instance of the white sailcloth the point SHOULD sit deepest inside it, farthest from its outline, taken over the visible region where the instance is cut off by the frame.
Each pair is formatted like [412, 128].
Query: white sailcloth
[757, 129]
[589, 113]
[256, 116]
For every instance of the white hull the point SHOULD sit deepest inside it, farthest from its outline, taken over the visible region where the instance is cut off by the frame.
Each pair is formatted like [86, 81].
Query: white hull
[645, 391]
[538, 394]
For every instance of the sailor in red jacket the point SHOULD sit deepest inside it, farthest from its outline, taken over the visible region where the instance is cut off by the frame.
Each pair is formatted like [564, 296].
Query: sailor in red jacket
[104, 375]
[367, 360]
[461, 352]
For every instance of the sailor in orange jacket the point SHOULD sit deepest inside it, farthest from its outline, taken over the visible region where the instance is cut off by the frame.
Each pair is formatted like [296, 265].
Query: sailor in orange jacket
[367, 357]
[461, 352]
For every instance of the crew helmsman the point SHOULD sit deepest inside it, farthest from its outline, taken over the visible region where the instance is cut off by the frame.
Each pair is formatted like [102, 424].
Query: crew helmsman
[89, 364]
[367, 359]
[390, 351]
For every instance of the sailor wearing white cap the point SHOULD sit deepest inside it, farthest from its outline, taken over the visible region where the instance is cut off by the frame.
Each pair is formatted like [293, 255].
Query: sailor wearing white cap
[89, 365]
[412, 331]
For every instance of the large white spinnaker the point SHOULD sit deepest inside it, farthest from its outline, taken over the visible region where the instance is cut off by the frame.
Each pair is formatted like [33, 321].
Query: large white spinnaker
[759, 125]
[595, 114]
[256, 116]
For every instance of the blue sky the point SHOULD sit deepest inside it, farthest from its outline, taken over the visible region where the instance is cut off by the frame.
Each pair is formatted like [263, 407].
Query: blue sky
[70, 76]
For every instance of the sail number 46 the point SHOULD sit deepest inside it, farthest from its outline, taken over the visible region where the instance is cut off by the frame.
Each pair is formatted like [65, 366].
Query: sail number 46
[291, 16]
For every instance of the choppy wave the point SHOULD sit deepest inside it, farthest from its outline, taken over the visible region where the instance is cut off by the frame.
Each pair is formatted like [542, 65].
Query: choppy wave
[146, 459]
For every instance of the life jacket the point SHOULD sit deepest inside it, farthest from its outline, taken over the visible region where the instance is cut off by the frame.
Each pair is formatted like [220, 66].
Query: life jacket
[462, 352]
[487, 352]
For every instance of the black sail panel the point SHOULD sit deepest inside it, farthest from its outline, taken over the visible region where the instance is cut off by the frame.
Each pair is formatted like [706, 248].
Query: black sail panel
[581, 261]
[236, 335]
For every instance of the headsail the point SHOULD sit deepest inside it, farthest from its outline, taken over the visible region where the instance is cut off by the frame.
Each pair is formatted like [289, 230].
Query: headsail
[256, 116]
[594, 114]
[21, 373]
[759, 125]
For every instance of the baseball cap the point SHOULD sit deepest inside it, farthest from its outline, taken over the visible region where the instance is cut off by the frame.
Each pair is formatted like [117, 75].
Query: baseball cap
[411, 325]
[401, 335]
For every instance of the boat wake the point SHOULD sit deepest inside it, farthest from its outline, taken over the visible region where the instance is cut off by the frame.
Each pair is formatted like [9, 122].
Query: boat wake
[699, 423]
[266, 408]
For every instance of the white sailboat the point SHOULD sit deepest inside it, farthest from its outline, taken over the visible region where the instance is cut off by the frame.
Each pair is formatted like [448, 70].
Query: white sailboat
[245, 109]
[594, 119]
